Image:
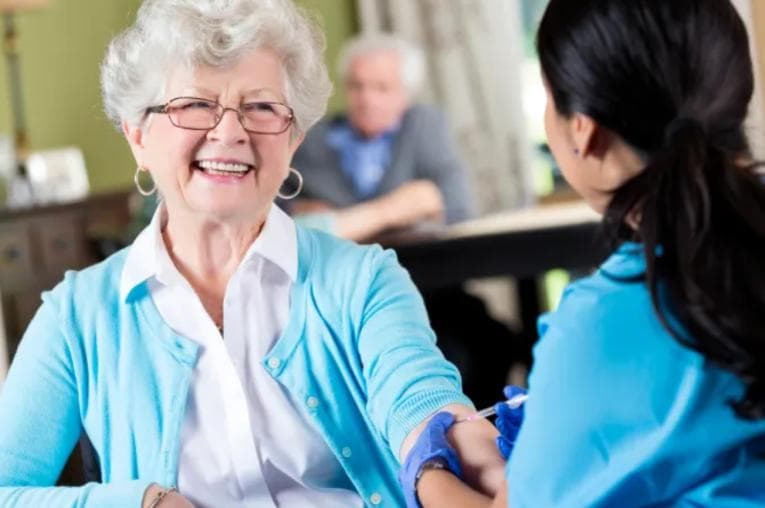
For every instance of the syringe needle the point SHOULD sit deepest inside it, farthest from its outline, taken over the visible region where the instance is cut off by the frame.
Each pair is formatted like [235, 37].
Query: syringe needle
[513, 403]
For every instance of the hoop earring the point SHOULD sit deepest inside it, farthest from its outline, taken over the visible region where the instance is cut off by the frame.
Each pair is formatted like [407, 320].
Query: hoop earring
[137, 180]
[299, 186]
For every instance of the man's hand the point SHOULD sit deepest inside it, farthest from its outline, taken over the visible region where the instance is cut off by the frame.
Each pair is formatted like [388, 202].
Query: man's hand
[412, 202]
[303, 206]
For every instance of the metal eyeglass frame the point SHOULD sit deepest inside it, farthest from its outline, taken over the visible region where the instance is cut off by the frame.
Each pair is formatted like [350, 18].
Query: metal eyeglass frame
[162, 108]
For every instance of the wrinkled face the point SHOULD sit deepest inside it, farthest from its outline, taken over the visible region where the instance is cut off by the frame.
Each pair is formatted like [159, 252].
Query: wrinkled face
[375, 93]
[225, 172]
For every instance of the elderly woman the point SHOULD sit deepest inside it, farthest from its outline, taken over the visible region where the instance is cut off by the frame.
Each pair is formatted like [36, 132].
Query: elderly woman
[227, 353]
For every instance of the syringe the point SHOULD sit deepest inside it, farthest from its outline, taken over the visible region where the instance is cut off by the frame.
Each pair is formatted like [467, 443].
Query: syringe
[513, 402]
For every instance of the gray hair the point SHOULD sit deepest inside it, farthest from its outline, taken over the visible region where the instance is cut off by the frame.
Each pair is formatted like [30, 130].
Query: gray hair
[172, 35]
[412, 57]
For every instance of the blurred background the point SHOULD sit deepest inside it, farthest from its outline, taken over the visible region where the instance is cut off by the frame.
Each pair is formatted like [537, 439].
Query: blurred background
[482, 73]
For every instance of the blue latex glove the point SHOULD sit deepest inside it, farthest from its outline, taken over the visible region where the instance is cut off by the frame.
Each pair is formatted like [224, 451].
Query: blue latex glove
[508, 421]
[431, 444]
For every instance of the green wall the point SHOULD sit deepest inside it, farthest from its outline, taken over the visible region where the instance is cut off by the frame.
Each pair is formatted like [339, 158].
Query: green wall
[61, 48]
[338, 17]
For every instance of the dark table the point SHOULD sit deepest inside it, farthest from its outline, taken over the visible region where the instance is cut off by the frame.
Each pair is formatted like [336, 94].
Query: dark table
[522, 244]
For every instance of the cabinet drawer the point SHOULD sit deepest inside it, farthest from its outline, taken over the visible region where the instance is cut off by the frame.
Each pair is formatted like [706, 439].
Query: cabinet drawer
[16, 263]
[19, 309]
[62, 244]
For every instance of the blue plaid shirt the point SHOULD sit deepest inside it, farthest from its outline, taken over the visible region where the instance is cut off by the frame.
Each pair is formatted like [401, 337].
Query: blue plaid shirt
[363, 160]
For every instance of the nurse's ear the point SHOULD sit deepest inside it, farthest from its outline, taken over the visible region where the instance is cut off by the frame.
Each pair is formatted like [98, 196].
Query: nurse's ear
[611, 161]
[586, 135]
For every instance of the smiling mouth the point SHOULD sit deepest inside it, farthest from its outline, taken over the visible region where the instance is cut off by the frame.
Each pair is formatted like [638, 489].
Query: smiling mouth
[223, 168]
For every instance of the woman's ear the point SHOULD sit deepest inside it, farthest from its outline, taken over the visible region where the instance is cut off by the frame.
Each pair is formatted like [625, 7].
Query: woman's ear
[605, 151]
[584, 132]
[295, 142]
[592, 140]
[134, 136]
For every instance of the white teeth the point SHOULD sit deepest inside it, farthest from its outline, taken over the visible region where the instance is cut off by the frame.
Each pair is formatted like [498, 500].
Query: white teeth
[228, 167]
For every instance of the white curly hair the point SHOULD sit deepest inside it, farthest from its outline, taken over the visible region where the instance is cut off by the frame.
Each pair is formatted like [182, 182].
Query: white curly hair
[216, 33]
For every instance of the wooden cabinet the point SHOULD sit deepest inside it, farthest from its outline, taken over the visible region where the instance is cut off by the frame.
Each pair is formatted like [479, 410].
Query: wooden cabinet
[37, 245]
[15, 255]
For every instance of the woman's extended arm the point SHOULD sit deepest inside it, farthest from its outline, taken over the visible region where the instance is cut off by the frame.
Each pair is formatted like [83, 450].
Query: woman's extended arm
[407, 377]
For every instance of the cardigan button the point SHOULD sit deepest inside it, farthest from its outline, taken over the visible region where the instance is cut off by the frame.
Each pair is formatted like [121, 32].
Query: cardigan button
[375, 498]
[273, 363]
[312, 402]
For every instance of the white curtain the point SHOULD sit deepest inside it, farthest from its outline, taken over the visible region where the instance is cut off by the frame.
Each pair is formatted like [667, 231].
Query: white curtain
[474, 54]
[3, 346]
[756, 120]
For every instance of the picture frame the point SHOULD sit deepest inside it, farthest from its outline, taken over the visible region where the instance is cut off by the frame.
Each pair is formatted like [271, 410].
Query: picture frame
[58, 175]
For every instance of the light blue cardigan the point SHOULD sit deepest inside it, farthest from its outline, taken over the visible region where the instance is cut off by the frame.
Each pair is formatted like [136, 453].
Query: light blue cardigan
[358, 351]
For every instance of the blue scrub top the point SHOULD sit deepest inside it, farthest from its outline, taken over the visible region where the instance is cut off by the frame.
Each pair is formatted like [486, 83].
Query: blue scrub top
[620, 414]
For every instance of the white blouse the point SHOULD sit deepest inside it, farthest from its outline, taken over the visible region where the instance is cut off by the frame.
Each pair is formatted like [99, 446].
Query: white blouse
[244, 441]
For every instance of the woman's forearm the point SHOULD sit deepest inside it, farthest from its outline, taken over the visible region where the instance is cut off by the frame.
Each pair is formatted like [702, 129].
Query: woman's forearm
[439, 488]
[482, 466]
[127, 494]
[475, 442]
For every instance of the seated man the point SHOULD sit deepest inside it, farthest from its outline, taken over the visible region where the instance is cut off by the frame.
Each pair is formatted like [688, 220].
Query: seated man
[389, 164]
[394, 157]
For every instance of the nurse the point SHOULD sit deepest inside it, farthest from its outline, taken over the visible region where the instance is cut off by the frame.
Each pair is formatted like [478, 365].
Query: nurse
[648, 386]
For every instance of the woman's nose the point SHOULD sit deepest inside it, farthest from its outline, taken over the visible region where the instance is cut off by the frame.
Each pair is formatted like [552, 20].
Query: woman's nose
[229, 129]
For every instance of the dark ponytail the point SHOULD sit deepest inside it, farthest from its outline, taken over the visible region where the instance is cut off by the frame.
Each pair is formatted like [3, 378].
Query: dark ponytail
[674, 79]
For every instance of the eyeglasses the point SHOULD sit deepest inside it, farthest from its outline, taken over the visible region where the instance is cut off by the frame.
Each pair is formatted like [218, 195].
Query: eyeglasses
[203, 114]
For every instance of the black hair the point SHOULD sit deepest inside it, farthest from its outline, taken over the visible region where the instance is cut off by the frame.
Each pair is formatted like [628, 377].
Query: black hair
[673, 79]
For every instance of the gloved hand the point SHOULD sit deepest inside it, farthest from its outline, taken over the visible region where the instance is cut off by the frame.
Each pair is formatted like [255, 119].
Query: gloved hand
[431, 444]
[508, 421]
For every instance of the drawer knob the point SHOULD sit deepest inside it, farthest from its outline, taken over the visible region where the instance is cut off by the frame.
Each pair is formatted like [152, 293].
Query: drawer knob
[60, 243]
[11, 253]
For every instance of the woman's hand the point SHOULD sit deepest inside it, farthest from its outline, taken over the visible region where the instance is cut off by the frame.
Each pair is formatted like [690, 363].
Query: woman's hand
[172, 500]
[431, 446]
[508, 421]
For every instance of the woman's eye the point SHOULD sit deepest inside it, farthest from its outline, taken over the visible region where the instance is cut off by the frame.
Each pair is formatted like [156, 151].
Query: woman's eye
[190, 104]
[258, 107]
[199, 105]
